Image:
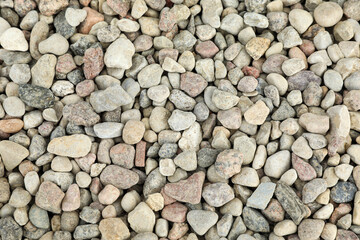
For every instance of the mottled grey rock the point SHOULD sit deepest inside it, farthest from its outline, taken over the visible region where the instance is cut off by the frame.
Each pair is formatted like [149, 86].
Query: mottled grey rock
[255, 221]
[36, 96]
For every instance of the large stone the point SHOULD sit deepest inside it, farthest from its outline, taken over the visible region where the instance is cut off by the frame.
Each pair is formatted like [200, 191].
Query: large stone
[12, 154]
[9, 229]
[142, 218]
[77, 145]
[201, 221]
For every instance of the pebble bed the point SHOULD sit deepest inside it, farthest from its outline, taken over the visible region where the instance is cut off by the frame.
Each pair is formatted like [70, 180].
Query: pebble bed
[180, 119]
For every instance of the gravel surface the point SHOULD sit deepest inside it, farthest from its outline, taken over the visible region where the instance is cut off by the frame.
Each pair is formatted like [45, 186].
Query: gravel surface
[179, 119]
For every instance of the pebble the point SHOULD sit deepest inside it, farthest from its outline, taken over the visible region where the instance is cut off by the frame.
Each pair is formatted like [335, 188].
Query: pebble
[327, 14]
[122, 57]
[343, 192]
[257, 113]
[77, 145]
[13, 39]
[142, 218]
[75, 16]
[201, 220]
[217, 194]
[49, 197]
[256, 47]
[111, 228]
[310, 229]
[255, 221]
[261, 196]
[300, 20]
[55, 44]
[119, 177]
[12, 154]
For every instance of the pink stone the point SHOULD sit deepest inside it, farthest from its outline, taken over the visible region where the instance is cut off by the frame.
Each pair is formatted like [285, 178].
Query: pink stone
[123, 154]
[251, 71]
[175, 212]
[65, 64]
[339, 212]
[71, 201]
[188, 190]
[192, 83]
[49, 197]
[304, 170]
[178, 230]
[93, 62]
[85, 88]
[140, 154]
[207, 49]
[121, 7]
[50, 7]
[228, 163]
[167, 20]
[91, 19]
[230, 119]
[86, 162]
[108, 195]
[95, 186]
[167, 200]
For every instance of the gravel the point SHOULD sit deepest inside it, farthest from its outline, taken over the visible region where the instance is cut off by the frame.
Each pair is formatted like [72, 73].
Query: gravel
[179, 119]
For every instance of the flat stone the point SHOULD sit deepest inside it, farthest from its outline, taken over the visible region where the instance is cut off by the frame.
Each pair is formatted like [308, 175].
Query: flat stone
[261, 196]
[108, 129]
[109, 99]
[43, 72]
[314, 123]
[81, 113]
[77, 145]
[175, 212]
[12, 154]
[49, 197]
[304, 170]
[113, 228]
[310, 229]
[228, 163]
[13, 39]
[119, 177]
[188, 190]
[290, 202]
[255, 221]
[257, 46]
[142, 218]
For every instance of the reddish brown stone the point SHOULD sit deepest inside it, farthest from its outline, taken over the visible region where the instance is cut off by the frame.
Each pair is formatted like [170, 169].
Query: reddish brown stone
[123, 155]
[304, 170]
[192, 83]
[274, 211]
[50, 7]
[65, 64]
[22, 7]
[167, 200]
[188, 190]
[121, 7]
[85, 162]
[85, 88]
[307, 47]
[95, 186]
[251, 71]
[140, 154]
[91, 19]
[49, 197]
[339, 212]
[346, 235]
[11, 125]
[207, 49]
[119, 177]
[71, 201]
[175, 212]
[178, 230]
[27, 166]
[93, 62]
